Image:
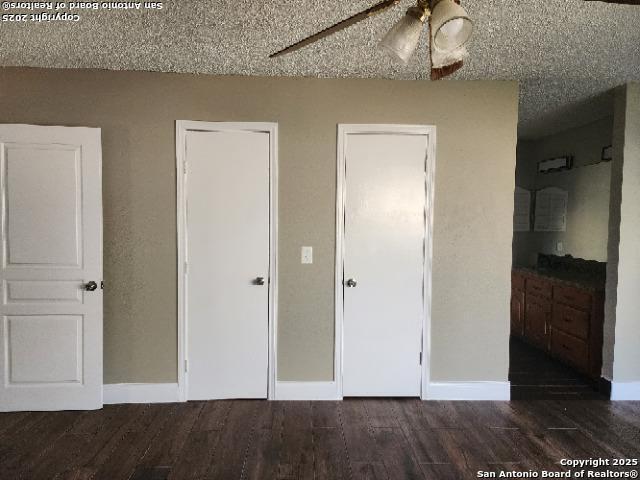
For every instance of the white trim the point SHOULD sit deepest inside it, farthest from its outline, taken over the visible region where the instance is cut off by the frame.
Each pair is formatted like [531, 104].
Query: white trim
[469, 391]
[307, 391]
[182, 127]
[430, 185]
[430, 164]
[625, 391]
[140, 393]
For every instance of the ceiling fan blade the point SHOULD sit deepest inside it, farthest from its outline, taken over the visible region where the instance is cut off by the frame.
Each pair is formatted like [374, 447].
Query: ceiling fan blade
[440, 73]
[358, 17]
[620, 2]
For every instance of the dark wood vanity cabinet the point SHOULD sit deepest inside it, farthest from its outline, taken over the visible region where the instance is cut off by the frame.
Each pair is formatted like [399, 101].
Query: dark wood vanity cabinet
[517, 305]
[517, 313]
[537, 318]
[564, 320]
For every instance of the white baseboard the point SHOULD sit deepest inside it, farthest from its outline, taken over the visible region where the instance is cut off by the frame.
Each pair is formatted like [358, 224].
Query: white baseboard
[622, 391]
[140, 393]
[169, 393]
[468, 391]
[306, 391]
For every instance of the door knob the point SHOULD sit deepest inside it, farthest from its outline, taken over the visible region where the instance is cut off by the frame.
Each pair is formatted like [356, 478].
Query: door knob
[259, 281]
[91, 286]
[351, 283]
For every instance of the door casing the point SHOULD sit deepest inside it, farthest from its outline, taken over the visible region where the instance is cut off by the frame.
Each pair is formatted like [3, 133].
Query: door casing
[349, 129]
[182, 127]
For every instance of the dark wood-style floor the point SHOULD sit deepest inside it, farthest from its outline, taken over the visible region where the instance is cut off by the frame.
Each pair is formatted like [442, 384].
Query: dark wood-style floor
[354, 439]
[534, 375]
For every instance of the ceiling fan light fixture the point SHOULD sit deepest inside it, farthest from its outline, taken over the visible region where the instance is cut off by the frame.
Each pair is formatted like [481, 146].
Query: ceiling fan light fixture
[452, 27]
[402, 39]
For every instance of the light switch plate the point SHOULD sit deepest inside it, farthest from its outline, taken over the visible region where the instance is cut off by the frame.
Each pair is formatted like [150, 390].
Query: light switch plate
[559, 247]
[306, 256]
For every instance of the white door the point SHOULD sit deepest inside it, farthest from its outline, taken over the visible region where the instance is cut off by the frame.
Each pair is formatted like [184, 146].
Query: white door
[51, 272]
[383, 266]
[227, 281]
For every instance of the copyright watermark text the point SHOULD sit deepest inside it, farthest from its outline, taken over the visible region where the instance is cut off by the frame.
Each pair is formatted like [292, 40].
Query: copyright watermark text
[589, 468]
[21, 12]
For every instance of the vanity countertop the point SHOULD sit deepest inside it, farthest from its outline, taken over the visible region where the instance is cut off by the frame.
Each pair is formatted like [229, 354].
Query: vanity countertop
[585, 280]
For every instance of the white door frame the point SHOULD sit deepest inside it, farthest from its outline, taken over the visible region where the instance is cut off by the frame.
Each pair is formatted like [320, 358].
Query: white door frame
[182, 128]
[430, 163]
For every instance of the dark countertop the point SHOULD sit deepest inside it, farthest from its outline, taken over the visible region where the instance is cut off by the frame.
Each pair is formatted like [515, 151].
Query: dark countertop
[584, 280]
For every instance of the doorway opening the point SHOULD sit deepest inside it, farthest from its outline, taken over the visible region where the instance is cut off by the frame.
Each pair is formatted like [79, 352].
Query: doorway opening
[560, 254]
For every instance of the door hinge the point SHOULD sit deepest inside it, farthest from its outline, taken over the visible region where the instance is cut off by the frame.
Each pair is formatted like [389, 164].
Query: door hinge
[186, 365]
[420, 358]
[184, 168]
[186, 268]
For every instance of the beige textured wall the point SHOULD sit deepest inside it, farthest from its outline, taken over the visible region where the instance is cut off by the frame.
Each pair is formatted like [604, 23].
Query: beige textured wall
[526, 164]
[626, 364]
[526, 167]
[615, 201]
[588, 184]
[476, 124]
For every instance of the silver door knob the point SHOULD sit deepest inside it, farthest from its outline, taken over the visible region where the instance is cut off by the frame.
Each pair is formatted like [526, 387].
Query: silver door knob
[91, 286]
[351, 283]
[259, 281]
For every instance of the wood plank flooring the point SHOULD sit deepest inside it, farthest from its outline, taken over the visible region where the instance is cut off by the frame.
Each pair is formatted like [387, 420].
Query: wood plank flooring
[534, 375]
[355, 439]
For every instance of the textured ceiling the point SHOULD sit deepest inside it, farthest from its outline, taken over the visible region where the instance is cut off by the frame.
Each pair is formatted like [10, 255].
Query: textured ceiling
[566, 53]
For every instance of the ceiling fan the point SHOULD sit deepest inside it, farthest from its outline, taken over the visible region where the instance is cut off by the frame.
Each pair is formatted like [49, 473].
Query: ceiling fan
[450, 29]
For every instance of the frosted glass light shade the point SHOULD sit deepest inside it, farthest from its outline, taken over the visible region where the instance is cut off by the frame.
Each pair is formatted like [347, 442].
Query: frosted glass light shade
[402, 40]
[451, 25]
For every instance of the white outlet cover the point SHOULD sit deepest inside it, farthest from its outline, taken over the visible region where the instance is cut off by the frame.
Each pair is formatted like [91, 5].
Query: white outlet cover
[559, 247]
[306, 256]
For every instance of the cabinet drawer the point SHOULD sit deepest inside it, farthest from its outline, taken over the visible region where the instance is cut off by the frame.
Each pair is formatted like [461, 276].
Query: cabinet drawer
[517, 281]
[570, 349]
[570, 320]
[539, 287]
[572, 296]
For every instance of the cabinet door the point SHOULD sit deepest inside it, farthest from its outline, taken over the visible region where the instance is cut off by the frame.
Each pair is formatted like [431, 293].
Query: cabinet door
[537, 319]
[572, 350]
[517, 313]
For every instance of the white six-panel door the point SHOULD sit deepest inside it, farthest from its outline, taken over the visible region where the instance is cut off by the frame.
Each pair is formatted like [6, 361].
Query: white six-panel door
[227, 261]
[383, 267]
[51, 330]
